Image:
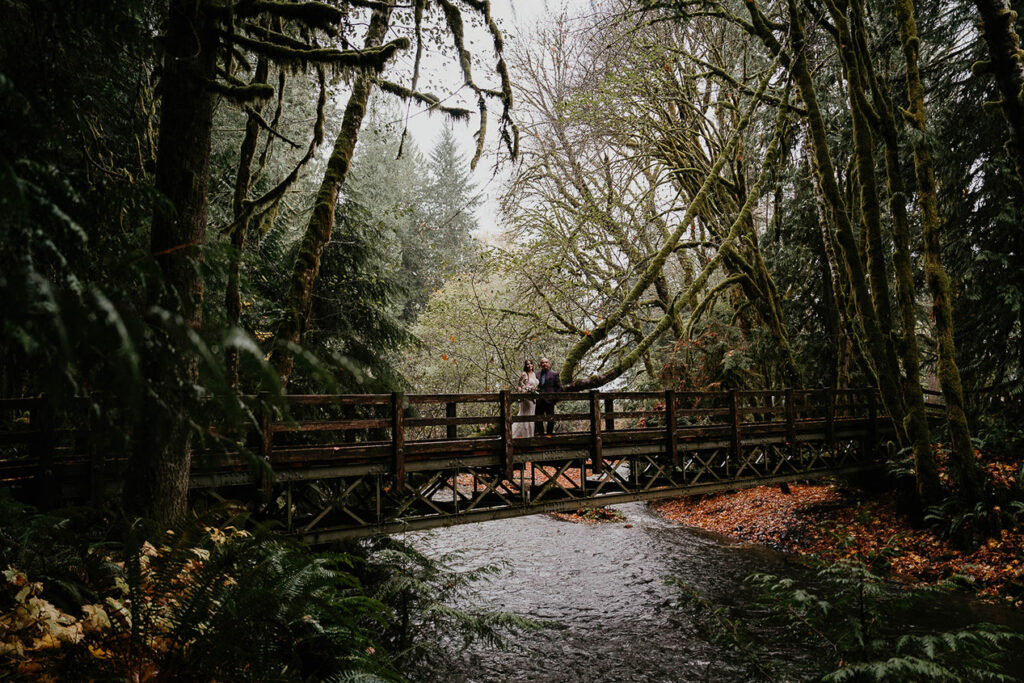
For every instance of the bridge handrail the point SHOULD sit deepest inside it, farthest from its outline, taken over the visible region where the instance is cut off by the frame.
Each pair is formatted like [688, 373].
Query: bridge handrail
[388, 420]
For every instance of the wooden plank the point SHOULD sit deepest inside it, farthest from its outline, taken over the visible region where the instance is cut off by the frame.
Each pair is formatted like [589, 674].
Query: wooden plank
[266, 448]
[790, 422]
[20, 403]
[631, 395]
[671, 433]
[830, 417]
[700, 412]
[634, 414]
[27, 437]
[337, 399]
[451, 421]
[597, 443]
[451, 410]
[329, 425]
[398, 438]
[564, 396]
[872, 422]
[558, 417]
[417, 399]
[609, 410]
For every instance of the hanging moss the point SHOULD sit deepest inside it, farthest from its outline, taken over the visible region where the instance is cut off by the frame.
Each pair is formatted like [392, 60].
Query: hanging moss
[875, 338]
[687, 298]
[316, 15]
[929, 489]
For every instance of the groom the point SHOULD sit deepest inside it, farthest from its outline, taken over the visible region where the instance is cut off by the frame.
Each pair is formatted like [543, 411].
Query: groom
[547, 383]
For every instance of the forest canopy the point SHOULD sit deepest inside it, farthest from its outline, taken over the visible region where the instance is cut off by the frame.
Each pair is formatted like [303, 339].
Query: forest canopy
[203, 201]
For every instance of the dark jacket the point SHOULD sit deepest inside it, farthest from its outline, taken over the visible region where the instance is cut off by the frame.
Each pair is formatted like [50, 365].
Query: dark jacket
[548, 382]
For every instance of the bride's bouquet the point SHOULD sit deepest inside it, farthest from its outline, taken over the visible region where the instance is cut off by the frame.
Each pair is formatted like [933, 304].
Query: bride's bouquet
[525, 387]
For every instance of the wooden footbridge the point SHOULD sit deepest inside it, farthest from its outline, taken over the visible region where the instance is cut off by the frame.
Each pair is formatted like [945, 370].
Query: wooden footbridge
[345, 466]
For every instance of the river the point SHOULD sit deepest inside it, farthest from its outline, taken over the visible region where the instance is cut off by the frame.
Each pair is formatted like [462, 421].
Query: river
[615, 618]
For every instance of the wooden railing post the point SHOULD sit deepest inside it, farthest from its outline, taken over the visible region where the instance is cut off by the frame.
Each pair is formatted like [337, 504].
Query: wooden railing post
[872, 422]
[790, 421]
[451, 410]
[506, 432]
[398, 438]
[597, 448]
[41, 419]
[266, 446]
[97, 465]
[734, 423]
[671, 427]
[609, 408]
[830, 417]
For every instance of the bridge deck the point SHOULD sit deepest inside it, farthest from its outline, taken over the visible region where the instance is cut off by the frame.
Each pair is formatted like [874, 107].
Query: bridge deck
[345, 466]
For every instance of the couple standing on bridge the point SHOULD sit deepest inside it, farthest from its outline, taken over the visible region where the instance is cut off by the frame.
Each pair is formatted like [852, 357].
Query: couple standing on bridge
[544, 382]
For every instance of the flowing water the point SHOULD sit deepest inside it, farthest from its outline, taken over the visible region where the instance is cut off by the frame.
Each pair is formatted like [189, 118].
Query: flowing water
[614, 617]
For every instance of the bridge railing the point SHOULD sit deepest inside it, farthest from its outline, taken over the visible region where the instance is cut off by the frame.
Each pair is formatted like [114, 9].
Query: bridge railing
[394, 430]
[393, 433]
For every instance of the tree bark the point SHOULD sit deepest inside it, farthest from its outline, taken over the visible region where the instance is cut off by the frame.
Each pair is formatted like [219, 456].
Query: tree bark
[965, 469]
[156, 484]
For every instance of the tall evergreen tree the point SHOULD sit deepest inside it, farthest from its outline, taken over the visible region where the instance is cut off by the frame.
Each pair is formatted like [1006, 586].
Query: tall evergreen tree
[450, 199]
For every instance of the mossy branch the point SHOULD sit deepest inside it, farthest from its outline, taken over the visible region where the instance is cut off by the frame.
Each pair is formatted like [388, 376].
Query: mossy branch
[432, 101]
[242, 94]
[709, 299]
[580, 349]
[373, 58]
[316, 15]
[688, 297]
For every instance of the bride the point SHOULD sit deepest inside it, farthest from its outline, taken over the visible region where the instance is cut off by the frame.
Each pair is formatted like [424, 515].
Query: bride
[527, 385]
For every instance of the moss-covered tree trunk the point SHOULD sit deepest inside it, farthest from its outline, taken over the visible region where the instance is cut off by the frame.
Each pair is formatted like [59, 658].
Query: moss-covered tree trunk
[298, 301]
[867, 185]
[243, 179]
[965, 469]
[1006, 63]
[156, 484]
[929, 489]
[875, 336]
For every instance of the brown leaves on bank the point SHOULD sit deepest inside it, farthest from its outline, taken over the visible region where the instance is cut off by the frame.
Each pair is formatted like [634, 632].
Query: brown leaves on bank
[832, 523]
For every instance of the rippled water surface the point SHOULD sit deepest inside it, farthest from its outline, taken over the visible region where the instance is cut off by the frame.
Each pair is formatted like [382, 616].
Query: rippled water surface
[604, 585]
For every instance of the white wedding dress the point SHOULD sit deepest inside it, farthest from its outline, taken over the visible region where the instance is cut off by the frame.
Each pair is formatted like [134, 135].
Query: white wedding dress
[521, 430]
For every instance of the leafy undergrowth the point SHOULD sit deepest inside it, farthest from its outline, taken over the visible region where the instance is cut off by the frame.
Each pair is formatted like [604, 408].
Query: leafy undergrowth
[834, 524]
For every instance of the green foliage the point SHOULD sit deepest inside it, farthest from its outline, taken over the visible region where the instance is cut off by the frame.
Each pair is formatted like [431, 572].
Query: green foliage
[854, 618]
